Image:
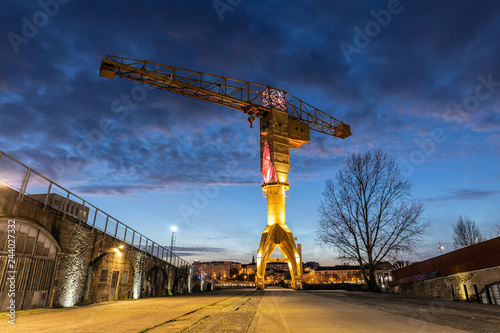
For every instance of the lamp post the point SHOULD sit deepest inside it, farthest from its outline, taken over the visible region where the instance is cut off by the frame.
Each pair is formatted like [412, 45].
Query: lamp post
[172, 242]
[441, 247]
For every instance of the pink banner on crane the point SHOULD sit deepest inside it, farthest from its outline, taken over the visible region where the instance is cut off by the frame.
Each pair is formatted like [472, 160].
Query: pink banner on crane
[268, 170]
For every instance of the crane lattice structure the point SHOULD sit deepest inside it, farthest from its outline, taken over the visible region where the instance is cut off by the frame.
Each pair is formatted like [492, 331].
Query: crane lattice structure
[285, 122]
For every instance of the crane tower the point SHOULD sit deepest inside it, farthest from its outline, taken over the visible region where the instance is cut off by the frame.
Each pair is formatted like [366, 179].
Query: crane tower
[285, 122]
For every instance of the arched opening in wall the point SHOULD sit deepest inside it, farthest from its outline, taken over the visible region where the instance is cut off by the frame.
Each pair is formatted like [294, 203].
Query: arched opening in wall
[490, 294]
[28, 255]
[111, 278]
[156, 282]
[180, 285]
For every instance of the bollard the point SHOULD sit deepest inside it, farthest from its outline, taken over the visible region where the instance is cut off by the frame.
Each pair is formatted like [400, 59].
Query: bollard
[466, 294]
[477, 294]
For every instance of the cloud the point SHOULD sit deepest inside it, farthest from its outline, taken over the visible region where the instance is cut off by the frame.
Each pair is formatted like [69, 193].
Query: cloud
[54, 103]
[465, 195]
[199, 249]
[188, 251]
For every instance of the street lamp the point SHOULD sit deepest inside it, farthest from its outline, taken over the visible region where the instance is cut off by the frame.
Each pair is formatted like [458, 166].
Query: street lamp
[441, 247]
[172, 242]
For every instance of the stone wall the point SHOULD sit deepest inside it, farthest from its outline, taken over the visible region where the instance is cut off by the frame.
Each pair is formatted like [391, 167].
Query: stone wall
[138, 279]
[73, 261]
[83, 255]
[442, 286]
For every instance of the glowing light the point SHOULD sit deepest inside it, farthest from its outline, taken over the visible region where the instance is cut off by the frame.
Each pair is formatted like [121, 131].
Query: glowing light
[121, 246]
[268, 169]
[70, 300]
[71, 277]
[116, 250]
[173, 228]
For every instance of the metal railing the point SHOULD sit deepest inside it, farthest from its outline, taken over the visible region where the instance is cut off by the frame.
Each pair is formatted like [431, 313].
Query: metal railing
[28, 182]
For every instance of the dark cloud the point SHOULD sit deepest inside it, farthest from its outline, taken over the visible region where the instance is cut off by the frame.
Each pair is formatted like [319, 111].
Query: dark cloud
[465, 195]
[57, 114]
[199, 249]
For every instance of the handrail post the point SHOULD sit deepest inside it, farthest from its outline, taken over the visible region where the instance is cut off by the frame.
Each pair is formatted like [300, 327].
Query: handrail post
[47, 197]
[95, 217]
[65, 205]
[24, 184]
[116, 229]
[106, 225]
[80, 212]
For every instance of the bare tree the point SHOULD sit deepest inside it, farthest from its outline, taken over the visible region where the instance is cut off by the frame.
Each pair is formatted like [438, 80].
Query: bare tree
[466, 233]
[366, 213]
[496, 231]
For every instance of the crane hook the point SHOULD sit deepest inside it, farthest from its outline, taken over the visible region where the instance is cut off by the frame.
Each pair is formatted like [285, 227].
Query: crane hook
[251, 120]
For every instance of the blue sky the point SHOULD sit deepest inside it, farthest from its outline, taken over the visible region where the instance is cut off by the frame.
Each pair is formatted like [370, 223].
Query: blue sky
[424, 86]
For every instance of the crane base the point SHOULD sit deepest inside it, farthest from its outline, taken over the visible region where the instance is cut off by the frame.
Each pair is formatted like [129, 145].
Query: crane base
[279, 235]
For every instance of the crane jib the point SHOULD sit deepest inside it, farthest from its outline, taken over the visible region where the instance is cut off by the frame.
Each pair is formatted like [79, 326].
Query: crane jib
[252, 98]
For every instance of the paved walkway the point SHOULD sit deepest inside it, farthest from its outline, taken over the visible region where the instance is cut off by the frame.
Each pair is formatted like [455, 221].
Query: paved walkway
[285, 310]
[468, 316]
[275, 310]
[121, 316]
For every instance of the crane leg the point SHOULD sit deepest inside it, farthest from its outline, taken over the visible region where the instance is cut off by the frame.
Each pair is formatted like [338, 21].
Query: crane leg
[277, 234]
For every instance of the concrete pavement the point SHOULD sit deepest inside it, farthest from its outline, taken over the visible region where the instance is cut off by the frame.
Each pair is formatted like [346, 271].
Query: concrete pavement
[121, 316]
[275, 310]
[285, 310]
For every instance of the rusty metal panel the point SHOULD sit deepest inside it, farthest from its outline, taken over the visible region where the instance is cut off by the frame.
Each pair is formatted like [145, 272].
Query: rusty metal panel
[492, 246]
[426, 266]
[468, 254]
[477, 256]
[455, 257]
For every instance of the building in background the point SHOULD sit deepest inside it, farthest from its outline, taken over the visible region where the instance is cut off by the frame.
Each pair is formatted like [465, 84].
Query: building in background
[220, 270]
[66, 205]
[276, 272]
[334, 274]
[250, 268]
[310, 266]
[383, 274]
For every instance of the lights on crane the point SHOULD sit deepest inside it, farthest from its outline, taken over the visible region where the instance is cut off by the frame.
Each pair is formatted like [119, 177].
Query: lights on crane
[268, 170]
[274, 98]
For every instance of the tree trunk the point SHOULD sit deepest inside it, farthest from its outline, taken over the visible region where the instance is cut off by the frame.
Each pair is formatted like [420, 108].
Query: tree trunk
[372, 282]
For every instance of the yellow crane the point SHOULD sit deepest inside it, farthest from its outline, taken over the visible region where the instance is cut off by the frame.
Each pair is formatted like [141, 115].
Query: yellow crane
[285, 122]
